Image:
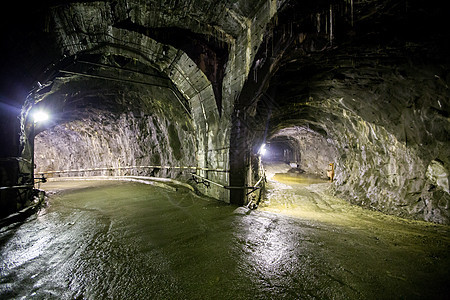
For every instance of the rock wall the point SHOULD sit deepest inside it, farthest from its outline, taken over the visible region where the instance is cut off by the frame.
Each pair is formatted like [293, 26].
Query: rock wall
[377, 171]
[316, 152]
[109, 124]
[112, 140]
[392, 137]
[129, 29]
[388, 119]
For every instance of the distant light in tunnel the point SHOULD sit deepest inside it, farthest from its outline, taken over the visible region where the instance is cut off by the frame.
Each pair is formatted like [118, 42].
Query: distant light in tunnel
[40, 116]
[262, 150]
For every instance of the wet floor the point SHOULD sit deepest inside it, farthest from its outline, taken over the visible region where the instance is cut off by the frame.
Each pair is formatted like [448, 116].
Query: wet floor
[123, 240]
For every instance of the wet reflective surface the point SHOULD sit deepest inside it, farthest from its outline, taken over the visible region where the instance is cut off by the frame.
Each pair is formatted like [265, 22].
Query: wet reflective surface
[125, 240]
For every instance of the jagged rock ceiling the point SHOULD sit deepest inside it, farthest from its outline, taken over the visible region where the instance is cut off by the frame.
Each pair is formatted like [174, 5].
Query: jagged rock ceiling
[376, 86]
[371, 77]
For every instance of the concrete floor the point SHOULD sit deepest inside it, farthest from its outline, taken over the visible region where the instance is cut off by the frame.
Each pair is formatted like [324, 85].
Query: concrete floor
[125, 240]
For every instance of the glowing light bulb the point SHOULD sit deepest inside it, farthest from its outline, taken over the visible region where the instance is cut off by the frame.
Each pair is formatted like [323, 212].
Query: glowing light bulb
[262, 150]
[40, 116]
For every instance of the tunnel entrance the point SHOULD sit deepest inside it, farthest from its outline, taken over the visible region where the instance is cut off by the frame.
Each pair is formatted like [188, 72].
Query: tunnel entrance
[302, 149]
[242, 72]
[281, 149]
[115, 117]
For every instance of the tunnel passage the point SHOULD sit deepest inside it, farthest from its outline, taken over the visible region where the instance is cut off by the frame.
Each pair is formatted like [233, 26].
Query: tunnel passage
[203, 51]
[303, 148]
[385, 120]
[371, 78]
[364, 84]
[377, 94]
[281, 149]
[100, 122]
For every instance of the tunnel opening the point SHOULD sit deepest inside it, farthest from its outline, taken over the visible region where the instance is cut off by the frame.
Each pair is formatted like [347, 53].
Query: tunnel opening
[234, 91]
[375, 101]
[327, 66]
[380, 161]
[281, 149]
[113, 116]
[303, 149]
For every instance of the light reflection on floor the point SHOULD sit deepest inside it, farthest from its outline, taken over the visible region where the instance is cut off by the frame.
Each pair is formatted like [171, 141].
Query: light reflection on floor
[100, 240]
[306, 197]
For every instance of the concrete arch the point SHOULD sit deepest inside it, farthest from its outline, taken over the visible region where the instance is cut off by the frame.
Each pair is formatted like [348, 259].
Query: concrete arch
[63, 32]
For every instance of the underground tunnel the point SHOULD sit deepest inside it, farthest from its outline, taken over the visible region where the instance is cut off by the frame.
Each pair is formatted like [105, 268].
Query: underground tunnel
[225, 150]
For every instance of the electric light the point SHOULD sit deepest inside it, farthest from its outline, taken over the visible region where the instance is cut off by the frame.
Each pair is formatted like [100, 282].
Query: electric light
[262, 150]
[40, 116]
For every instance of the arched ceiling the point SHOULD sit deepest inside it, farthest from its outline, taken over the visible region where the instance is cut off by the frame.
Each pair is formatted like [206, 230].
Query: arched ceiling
[45, 37]
[375, 82]
[372, 76]
[366, 64]
[182, 63]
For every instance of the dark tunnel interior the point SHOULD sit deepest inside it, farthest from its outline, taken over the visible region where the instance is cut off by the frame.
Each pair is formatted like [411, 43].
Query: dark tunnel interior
[360, 85]
[220, 96]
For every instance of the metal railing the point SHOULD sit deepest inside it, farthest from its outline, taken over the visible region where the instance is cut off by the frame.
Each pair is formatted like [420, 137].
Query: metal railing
[256, 186]
[130, 167]
[17, 187]
[252, 188]
[204, 179]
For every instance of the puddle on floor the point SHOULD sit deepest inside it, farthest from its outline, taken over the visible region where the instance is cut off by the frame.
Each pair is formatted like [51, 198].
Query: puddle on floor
[125, 240]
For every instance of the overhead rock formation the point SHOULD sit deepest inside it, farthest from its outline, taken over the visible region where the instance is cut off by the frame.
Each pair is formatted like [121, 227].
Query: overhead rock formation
[315, 152]
[363, 84]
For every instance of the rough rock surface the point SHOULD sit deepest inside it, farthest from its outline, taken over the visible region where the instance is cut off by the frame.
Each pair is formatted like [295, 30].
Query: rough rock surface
[316, 152]
[114, 141]
[371, 78]
[111, 126]
[389, 123]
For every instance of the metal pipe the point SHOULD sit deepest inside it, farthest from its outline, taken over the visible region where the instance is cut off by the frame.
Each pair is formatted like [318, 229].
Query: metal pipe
[210, 181]
[130, 167]
[14, 159]
[255, 187]
[120, 68]
[242, 187]
[259, 181]
[112, 78]
[127, 80]
[25, 186]
[227, 187]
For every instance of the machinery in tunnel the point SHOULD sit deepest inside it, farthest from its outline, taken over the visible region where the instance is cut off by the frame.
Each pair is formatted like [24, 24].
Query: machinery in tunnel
[191, 91]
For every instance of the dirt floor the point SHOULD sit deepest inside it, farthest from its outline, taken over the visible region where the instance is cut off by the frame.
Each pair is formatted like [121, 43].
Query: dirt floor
[125, 240]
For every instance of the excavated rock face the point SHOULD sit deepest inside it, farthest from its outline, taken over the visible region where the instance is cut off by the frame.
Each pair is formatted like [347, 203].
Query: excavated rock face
[200, 54]
[103, 139]
[315, 152]
[389, 123]
[114, 126]
[205, 83]
[383, 102]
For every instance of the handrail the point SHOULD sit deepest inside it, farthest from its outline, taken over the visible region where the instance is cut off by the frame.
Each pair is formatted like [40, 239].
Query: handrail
[252, 188]
[24, 186]
[14, 158]
[259, 181]
[255, 187]
[129, 167]
[207, 180]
